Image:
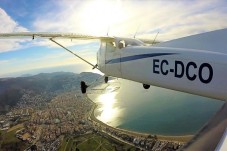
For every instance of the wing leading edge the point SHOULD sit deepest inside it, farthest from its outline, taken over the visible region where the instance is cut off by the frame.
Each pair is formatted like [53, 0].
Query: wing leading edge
[53, 35]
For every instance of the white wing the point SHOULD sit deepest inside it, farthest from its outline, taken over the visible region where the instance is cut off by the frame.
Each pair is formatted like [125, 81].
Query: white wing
[210, 41]
[51, 35]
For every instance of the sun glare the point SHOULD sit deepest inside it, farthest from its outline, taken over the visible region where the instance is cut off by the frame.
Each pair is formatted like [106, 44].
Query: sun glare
[108, 110]
[98, 16]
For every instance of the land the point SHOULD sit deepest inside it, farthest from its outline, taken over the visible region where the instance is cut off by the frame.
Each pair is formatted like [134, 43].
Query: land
[8, 138]
[39, 89]
[93, 142]
[63, 119]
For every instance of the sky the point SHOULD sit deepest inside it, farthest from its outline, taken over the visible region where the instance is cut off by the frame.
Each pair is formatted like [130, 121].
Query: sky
[172, 19]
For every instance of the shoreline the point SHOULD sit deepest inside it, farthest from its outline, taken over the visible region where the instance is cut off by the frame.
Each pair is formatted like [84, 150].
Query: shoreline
[182, 138]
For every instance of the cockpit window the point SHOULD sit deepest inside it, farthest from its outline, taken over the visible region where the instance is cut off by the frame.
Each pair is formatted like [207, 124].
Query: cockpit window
[129, 42]
[121, 44]
[132, 44]
[111, 46]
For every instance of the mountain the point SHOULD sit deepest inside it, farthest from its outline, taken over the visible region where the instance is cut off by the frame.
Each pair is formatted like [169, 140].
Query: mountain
[12, 90]
[26, 75]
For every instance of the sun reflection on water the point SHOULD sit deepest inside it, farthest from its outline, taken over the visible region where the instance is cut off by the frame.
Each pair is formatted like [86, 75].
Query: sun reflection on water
[109, 112]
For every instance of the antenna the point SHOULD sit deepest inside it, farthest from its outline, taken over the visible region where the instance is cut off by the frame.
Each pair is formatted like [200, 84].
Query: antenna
[136, 31]
[155, 38]
[108, 31]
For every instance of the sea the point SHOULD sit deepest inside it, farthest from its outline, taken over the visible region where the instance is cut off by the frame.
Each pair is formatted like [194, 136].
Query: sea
[127, 105]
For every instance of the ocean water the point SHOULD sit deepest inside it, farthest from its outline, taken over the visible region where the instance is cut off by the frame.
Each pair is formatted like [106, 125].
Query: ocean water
[125, 104]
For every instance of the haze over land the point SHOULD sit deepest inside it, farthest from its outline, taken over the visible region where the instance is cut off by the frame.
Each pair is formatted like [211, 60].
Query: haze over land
[44, 85]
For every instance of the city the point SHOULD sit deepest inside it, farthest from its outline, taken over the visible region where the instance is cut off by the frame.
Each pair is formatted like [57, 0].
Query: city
[45, 126]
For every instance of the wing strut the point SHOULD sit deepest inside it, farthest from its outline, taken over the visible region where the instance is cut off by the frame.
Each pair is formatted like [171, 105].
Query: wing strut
[94, 66]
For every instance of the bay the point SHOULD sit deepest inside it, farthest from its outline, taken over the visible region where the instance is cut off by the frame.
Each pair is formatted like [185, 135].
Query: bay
[125, 104]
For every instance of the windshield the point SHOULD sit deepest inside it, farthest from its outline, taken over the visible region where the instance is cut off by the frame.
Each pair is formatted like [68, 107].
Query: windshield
[129, 42]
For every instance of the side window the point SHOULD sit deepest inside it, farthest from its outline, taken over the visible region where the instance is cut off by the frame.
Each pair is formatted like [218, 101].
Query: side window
[121, 44]
[111, 46]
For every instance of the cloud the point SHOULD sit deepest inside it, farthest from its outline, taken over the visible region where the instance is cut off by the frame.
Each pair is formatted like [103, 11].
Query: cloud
[120, 18]
[9, 25]
[44, 24]
[172, 19]
[2, 62]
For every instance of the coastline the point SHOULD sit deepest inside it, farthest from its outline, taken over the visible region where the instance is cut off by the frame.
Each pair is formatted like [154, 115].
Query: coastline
[183, 138]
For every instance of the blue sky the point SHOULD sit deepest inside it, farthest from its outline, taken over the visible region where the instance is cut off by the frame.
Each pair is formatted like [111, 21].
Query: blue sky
[173, 19]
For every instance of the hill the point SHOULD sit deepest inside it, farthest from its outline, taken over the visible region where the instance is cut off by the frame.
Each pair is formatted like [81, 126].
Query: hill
[44, 85]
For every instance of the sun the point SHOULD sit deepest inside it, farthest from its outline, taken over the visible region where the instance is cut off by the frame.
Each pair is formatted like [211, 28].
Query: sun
[98, 16]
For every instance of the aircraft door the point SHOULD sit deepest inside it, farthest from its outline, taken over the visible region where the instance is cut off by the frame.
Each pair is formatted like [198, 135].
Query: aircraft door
[113, 59]
[101, 57]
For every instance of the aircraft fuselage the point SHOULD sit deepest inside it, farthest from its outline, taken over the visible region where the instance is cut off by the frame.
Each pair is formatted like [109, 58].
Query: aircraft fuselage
[193, 71]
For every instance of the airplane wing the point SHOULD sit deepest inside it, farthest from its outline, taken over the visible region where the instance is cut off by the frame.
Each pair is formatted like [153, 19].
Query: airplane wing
[209, 41]
[213, 136]
[53, 36]
[34, 35]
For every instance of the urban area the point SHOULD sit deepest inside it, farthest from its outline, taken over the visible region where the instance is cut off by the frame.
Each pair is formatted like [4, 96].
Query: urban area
[68, 122]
